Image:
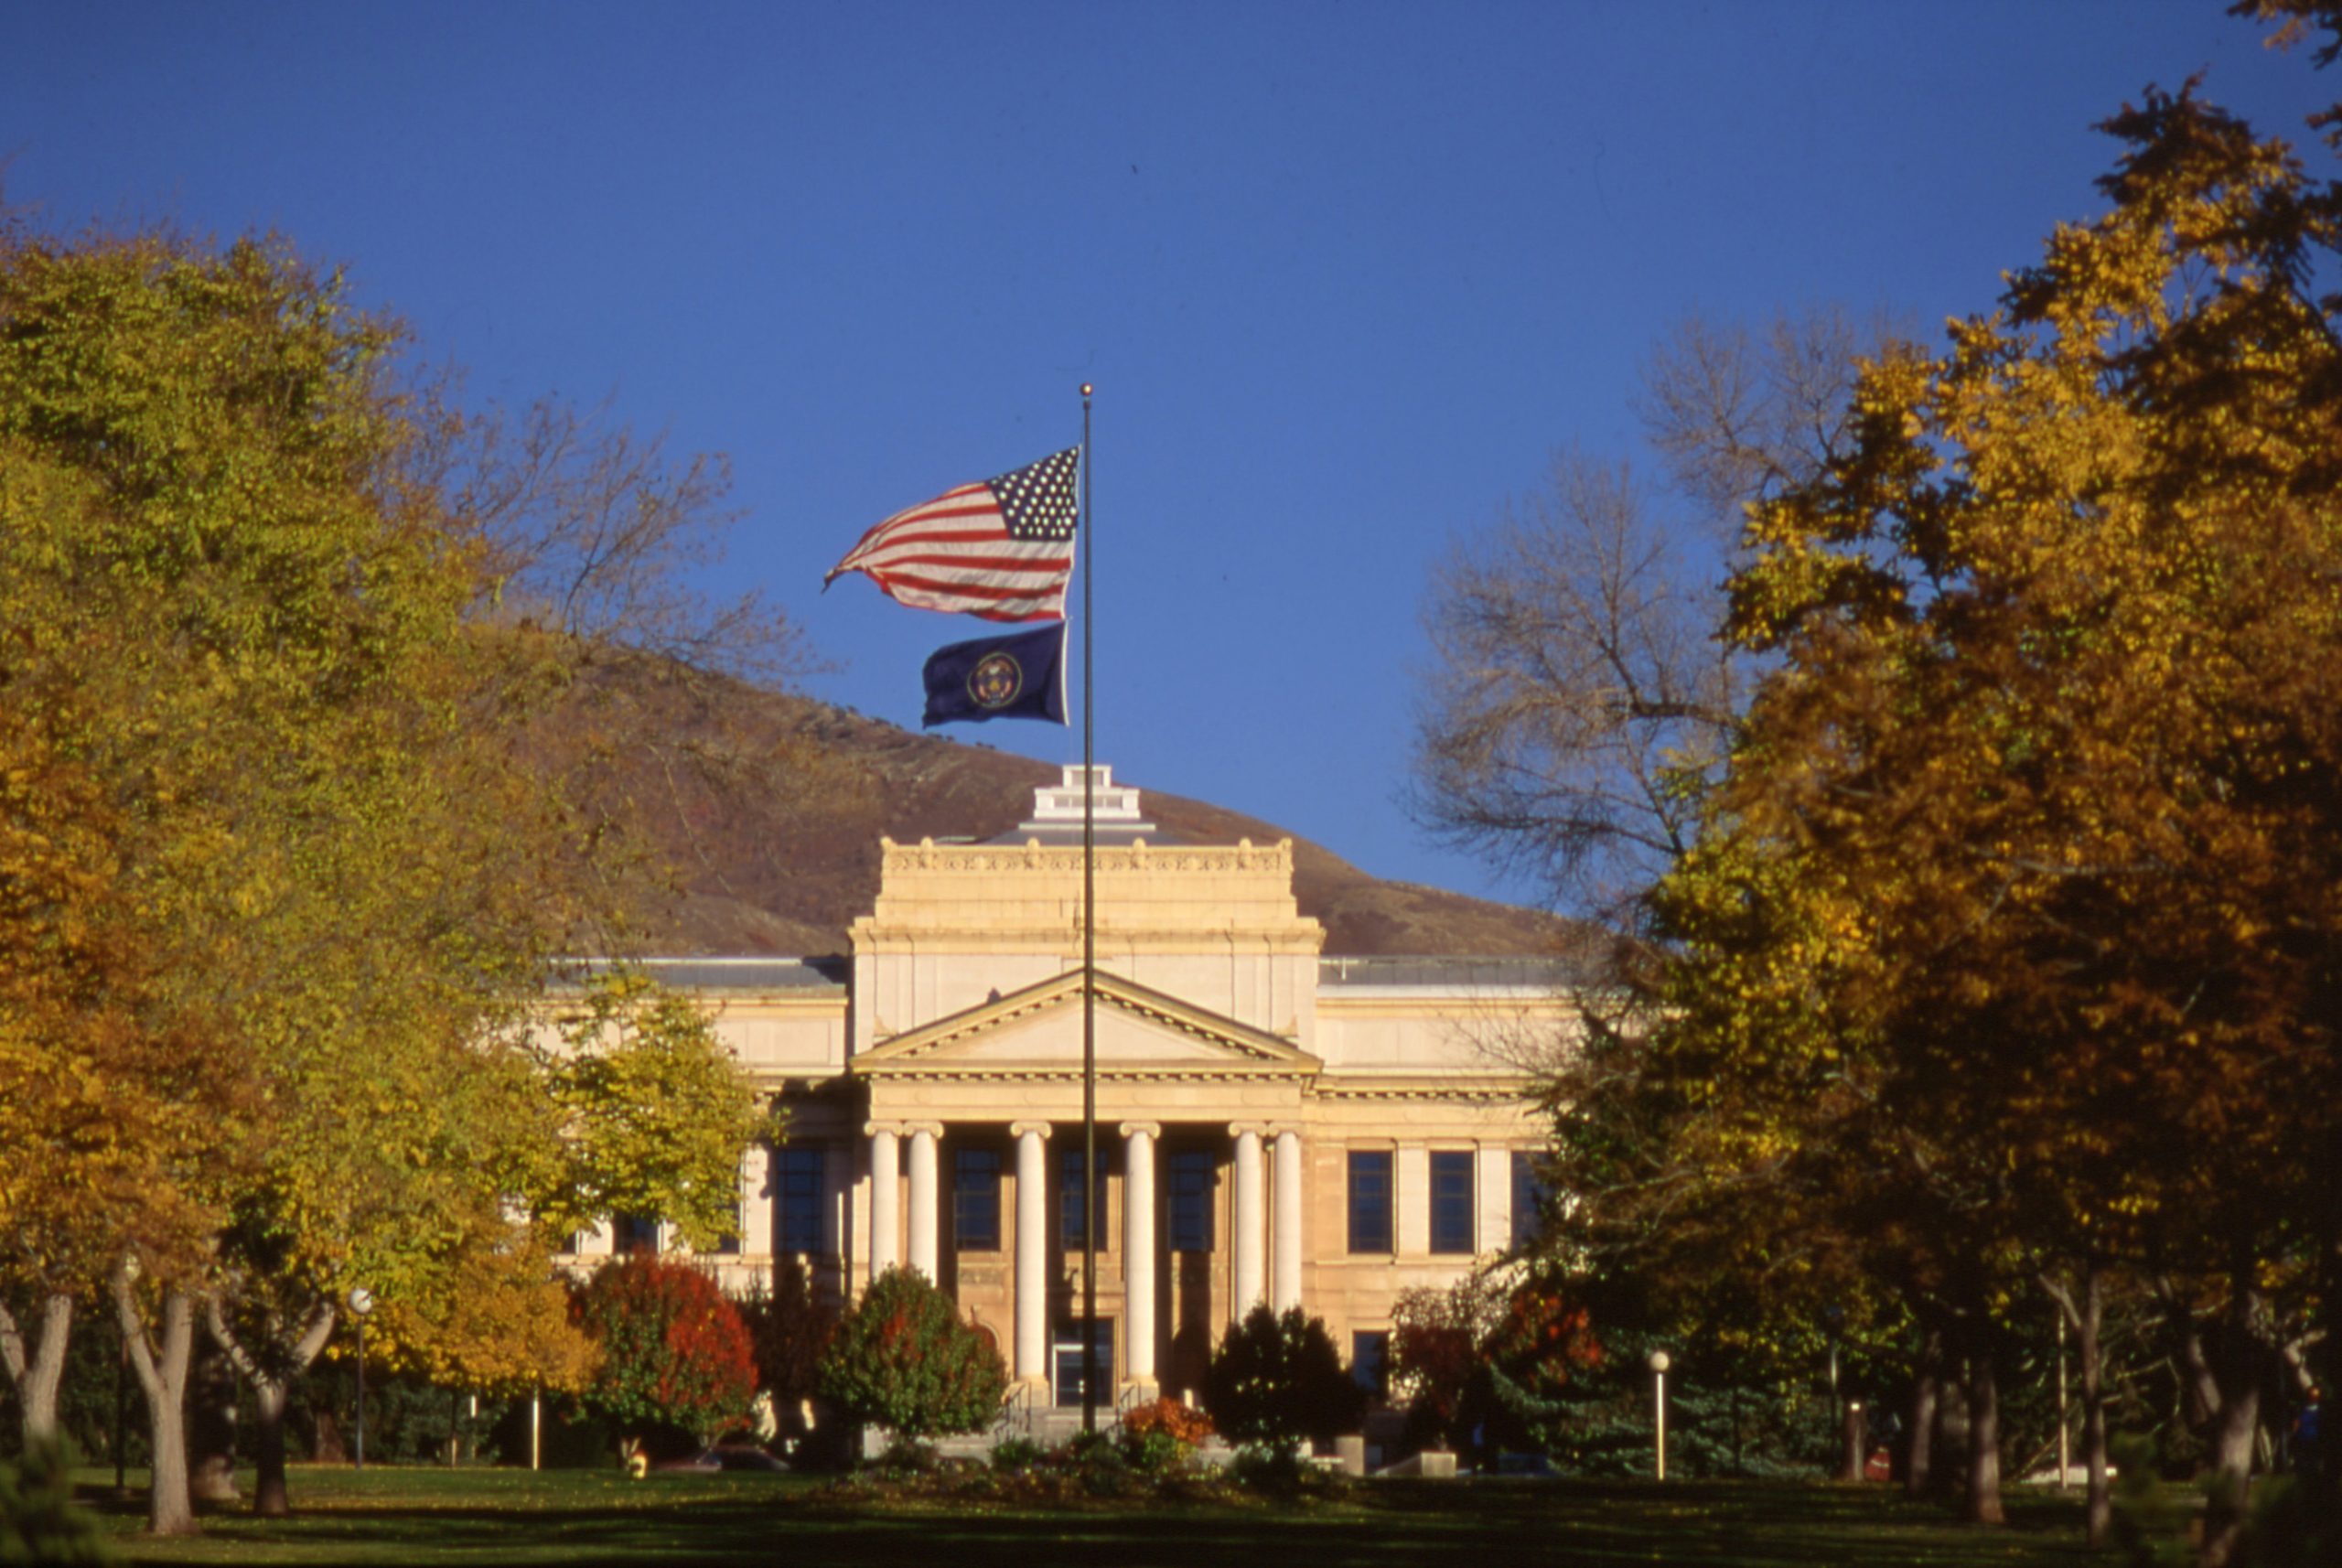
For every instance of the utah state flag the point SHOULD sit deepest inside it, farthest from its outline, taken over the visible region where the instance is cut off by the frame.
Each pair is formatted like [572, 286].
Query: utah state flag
[1018, 676]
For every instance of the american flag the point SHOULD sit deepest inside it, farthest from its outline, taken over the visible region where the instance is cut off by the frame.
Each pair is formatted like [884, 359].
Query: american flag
[1002, 548]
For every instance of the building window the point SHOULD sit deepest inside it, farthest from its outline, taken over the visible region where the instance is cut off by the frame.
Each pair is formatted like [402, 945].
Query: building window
[975, 1201]
[1528, 1195]
[1070, 1213]
[796, 1183]
[1371, 1200]
[634, 1233]
[1450, 1200]
[1191, 1184]
[729, 1242]
[1370, 1360]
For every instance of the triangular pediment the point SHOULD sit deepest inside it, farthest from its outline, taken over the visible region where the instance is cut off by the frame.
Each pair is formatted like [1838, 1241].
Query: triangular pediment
[1037, 1031]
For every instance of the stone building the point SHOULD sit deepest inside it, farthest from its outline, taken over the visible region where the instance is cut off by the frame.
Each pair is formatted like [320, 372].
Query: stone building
[1273, 1124]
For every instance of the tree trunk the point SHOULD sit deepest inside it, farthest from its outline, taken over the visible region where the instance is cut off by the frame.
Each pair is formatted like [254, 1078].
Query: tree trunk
[211, 1427]
[163, 1379]
[270, 1499]
[2233, 1430]
[1948, 1462]
[39, 1376]
[2087, 1325]
[1919, 1453]
[1984, 1442]
[325, 1445]
[2223, 1380]
[2086, 1315]
[272, 1383]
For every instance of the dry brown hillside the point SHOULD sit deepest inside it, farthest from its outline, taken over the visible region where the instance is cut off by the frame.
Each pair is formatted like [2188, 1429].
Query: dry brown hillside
[780, 854]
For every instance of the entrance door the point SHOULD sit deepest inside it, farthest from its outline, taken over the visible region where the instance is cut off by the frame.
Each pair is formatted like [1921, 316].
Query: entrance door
[1065, 1361]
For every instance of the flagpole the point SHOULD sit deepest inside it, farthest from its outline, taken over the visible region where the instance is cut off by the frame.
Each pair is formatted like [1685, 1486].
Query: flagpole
[1088, 1178]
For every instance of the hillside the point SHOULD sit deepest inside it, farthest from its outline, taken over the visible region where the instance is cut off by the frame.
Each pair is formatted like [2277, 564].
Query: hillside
[772, 807]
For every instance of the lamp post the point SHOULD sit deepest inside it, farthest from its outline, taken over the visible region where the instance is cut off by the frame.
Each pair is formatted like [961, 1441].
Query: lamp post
[361, 1302]
[1658, 1408]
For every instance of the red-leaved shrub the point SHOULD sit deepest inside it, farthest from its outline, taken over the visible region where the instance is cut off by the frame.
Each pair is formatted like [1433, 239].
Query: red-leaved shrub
[673, 1348]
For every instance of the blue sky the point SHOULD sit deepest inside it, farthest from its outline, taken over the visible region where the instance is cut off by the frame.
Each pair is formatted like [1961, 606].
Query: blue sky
[1345, 276]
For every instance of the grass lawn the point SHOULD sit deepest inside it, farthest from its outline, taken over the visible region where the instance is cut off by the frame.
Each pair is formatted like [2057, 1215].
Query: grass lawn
[418, 1517]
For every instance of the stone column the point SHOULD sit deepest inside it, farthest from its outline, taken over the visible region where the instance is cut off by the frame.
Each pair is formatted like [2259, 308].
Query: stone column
[885, 1199]
[1284, 1275]
[1138, 1251]
[755, 1201]
[1251, 1222]
[1492, 1199]
[924, 1196]
[1032, 1252]
[1411, 1176]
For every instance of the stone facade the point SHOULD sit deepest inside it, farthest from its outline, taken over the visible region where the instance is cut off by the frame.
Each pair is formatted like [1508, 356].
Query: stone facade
[1272, 1123]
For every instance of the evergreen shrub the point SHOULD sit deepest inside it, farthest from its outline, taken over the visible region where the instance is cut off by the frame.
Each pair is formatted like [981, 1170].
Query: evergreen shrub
[1278, 1381]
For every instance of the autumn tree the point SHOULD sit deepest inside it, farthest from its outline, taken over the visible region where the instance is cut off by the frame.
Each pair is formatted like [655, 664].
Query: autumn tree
[670, 1347]
[902, 1358]
[213, 428]
[1581, 708]
[498, 1322]
[285, 872]
[106, 1109]
[2044, 762]
[639, 1109]
[654, 1110]
[1437, 1366]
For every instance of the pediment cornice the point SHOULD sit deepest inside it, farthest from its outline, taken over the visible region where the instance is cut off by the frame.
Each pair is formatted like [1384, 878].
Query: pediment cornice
[955, 1046]
[1489, 1087]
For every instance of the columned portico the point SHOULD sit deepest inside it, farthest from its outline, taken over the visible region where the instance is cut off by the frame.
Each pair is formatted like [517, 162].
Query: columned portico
[1251, 1236]
[1138, 1251]
[1032, 1252]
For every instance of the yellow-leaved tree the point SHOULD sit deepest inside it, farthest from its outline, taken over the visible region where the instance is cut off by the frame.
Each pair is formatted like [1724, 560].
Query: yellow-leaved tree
[2046, 762]
[288, 872]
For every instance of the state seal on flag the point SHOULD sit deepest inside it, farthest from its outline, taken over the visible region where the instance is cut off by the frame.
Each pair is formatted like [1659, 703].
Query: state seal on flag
[996, 681]
[1020, 675]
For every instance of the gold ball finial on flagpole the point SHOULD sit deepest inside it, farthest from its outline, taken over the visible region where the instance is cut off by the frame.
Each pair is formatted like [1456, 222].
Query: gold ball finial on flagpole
[1086, 389]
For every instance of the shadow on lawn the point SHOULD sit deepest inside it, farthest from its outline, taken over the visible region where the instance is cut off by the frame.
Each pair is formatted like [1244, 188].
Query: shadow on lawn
[1740, 1524]
[1732, 1525]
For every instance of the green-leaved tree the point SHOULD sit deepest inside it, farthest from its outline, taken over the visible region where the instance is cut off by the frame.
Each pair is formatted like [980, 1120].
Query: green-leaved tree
[902, 1358]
